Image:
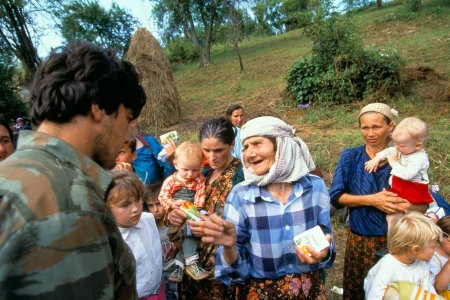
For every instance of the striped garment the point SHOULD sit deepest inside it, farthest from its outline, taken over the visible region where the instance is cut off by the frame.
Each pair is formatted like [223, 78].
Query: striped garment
[265, 230]
[404, 290]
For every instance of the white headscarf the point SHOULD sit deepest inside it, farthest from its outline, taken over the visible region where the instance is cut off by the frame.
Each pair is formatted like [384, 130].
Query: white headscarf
[381, 108]
[292, 158]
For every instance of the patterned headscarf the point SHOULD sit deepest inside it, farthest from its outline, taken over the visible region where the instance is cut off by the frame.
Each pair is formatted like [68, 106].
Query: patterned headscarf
[381, 108]
[292, 158]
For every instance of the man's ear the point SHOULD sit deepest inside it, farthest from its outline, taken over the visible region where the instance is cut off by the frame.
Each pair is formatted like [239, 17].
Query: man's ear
[133, 157]
[97, 112]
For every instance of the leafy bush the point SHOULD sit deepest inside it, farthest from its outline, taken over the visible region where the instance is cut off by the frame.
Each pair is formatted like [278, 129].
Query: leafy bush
[304, 80]
[10, 104]
[413, 5]
[340, 70]
[181, 50]
[331, 39]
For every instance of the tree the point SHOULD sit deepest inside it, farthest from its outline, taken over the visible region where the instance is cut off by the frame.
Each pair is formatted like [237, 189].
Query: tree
[15, 18]
[379, 4]
[87, 20]
[11, 106]
[196, 19]
[292, 13]
[236, 17]
[267, 16]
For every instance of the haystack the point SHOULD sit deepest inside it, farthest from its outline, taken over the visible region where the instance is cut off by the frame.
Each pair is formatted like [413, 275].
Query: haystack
[163, 101]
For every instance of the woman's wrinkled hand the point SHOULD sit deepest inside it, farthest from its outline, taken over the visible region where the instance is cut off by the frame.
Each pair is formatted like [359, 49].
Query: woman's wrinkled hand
[389, 202]
[314, 256]
[176, 217]
[214, 230]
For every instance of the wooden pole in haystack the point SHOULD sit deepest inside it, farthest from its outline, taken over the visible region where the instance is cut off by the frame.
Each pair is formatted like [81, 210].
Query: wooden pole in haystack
[163, 101]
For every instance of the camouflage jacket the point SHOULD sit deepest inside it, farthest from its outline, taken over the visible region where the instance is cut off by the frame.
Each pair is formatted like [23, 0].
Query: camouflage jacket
[58, 240]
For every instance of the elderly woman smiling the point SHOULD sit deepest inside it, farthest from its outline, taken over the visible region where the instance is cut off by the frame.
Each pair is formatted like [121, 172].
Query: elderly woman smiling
[277, 200]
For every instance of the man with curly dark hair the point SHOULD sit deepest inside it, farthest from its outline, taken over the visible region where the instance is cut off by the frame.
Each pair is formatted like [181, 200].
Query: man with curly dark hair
[58, 239]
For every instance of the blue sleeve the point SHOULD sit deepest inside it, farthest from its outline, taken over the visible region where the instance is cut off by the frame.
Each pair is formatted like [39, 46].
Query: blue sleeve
[166, 166]
[341, 178]
[325, 223]
[238, 272]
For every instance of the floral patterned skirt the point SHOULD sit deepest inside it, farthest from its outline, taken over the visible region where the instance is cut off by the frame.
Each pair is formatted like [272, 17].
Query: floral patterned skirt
[294, 286]
[359, 259]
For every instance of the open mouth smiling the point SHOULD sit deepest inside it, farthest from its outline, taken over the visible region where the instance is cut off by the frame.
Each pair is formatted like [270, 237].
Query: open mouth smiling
[255, 162]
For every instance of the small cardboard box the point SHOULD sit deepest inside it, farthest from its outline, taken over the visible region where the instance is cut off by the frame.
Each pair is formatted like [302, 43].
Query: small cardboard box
[313, 237]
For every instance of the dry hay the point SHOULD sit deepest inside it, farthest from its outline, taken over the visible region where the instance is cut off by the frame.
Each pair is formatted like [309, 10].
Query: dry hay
[438, 87]
[163, 101]
[420, 73]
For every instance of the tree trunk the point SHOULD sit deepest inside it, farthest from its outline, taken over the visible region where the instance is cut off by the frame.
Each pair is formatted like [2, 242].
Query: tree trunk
[19, 41]
[238, 52]
[234, 17]
[379, 4]
[188, 23]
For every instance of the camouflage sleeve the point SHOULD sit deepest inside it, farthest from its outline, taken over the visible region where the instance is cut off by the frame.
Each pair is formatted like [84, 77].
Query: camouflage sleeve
[67, 254]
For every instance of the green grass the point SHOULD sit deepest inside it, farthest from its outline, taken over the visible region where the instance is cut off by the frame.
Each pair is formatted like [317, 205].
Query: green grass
[423, 40]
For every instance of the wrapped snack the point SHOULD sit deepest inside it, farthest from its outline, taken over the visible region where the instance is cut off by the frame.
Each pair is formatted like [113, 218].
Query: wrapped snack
[314, 238]
[190, 211]
[170, 136]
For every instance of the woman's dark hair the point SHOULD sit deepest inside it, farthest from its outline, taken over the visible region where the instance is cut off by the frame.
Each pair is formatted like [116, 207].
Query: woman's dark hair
[233, 108]
[6, 125]
[221, 129]
[81, 74]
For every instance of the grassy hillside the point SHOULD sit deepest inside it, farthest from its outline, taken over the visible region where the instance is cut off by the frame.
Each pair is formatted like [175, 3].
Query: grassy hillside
[422, 40]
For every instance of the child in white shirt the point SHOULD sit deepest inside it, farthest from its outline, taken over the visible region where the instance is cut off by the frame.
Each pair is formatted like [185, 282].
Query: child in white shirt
[139, 231]
[411, 239]
[440, 262]
[168, 248]
[409, 162]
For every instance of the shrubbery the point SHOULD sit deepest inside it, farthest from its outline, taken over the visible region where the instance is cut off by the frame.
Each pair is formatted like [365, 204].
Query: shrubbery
[413, 5]
[181, 50]
[10, 104]
[340, 70]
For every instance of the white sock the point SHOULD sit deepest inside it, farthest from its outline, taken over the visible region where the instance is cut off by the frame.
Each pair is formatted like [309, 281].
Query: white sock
[191, 259]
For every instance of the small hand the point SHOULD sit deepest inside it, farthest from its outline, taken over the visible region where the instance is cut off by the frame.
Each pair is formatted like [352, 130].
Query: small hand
[170, 149]
[124, 166]
[176, 217]
[372, 165]
[177, 203]
[392, 157]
